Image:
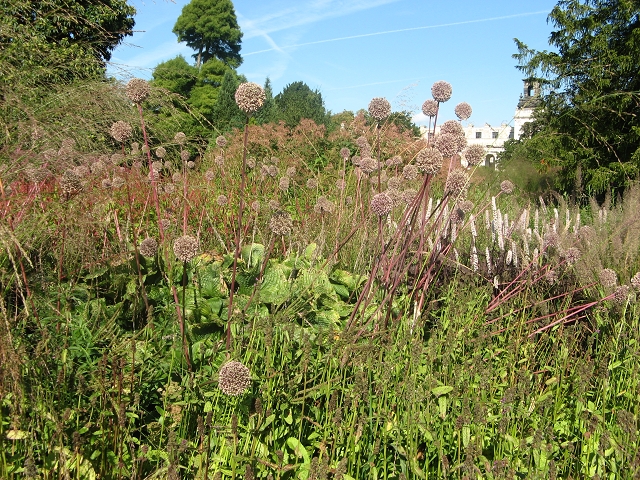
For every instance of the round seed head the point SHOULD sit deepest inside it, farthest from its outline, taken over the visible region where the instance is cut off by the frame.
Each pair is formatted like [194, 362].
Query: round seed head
[255, 206]
[394, 182]
[148, 247]
[474, 154]
[221, 141]
[635, 281]
[463, 110]
[191, 165]
[274, 204]
[572, 255]
[209, 175]
[429, 160]
[410, 172]
[448, 144]
[250, 97]
[381, 204]
[273, 171]
[222, 200]
[441, 91]
[160, 152]
[394, 161]
[291, 172]
[251, 163]
[184, 155]
[312, 184]
[117, 182]
[379, 108]
[281, 223]
[283, 183]
[341, 184]
[180, 138]
[507, 187]
[608, 277]
[345, 153]
[451, 126]
[362, 141]
[137, 90]
[368, 165]
[466, 206]
[430, 108]
[70, 182]
[323, 205]
[121, 131]
[550, 240]
[185, 248]
[621, 294]
[457, 183]
[234, 378]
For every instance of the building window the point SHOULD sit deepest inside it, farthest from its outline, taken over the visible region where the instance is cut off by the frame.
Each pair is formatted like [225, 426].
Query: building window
[478, 134]
[494, 134]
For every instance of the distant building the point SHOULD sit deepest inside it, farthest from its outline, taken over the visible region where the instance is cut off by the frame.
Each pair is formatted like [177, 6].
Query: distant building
[493, 138]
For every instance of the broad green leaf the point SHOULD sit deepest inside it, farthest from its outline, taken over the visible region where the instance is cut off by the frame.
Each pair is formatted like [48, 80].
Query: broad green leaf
[442, 390]
[274, 288]
[298, 448]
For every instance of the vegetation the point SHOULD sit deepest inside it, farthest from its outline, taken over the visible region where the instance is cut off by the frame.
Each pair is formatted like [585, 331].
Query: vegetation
[587, 123]
[300, 302]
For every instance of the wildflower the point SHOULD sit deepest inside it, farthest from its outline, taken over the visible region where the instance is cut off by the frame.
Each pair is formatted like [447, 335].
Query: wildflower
[117, 182]
[255, 206]
[184, 155]
[362, 141]
[474, 154]
[249, 97]
[234, 378]
[448, 144]
[368, 165]
[571, 255]
[137, 90]
[121, 131]
[191, 165]
[394, 161]
[341, 184]
[323, 205]
[70, 182]
[185, 248]
[379, 108]
[117, 158]
[430, 108]
[608, 277]
[409, 195]
[274, 204]
[429, 160]
[209, 175]
[291, 172]
[463, 110]
[394, 182]
[251, 163]
[441, 91]
[283, 184]
[148, 247]
[381, 204]
[281, 223]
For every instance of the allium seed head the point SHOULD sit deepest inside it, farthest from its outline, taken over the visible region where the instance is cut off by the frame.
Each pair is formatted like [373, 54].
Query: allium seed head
[222, 200]
[457, 183]
[572, 255]
[161, 152]
[474, 154]
[281, 223]
[429, 160]
[191, 165]
[221, 141]
[362, 141]
[345, 153]
[451, 126]
[184, 155]
[312, 184]
[430, 108]
[410, 172]
[70, 182]
[368, 165]
[117, 182]
[381, 204]
[635, 281]
[394, 182]
[323, 205]
[283, 183]
[148, 247]
[621, 294]
[608, 278]
[137, 90]
[255, 206]
[507, 187]
[463, 110]
[379, 108]
[251, 163]
[441, 91]
[121, 131]
[249, 97]
[448, 144]
[234, 378]
[185, 248]
[180, 138]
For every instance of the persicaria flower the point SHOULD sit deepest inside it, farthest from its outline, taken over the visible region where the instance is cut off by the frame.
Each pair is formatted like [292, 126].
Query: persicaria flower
[185, 248]
[441, 91]
[430, 108]
[121, 131]
[234, 378]
[379, 108]
[137, 90]
[463, 110]
[250, 97]
[381, 204]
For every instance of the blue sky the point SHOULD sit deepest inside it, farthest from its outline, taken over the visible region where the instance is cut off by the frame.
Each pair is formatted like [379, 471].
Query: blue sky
[355, 50]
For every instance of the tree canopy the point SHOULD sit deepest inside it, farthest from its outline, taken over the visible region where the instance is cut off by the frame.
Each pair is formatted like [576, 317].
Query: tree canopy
[298, 101]
[588, 122]
[210, 27]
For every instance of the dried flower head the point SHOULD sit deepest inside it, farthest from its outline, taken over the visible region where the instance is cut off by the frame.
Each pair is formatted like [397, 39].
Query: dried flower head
[70, 182]
[441, 91]
[474, 154]
[451, 126]
[121, 131]
[507, 187]
[362, 141]
[117, 182]
[323, 205]
[394, 182]
[184, 155]
[291, 171]
[274, 204]
[381, 204]
[281, 223]
[410, 172]
[148, 247]
[161, 152]
[571, 255]
[191, 164]
[430, 108]
[117, 158]
[255, 206]
[457, 183]
[251, 163]
[551, 239]
[273, 171]
[621, 294]
[137, 90]
[608, 277]
[635, 281]
[368, 165]
[463, 110]
[222, 200]
[283, 183]
[394, 161]
[379, 108]
[250, 97]
[341, 184]
[312, 184]
[345, 153]
[234, 378]
[448, 144]
[466, 206]
[185, 248]
[429, 160]
[221, 141]
[106, 183]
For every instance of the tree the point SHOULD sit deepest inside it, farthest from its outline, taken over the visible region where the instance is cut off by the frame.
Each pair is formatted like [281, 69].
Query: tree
[176, 75]
[48, 41]
[226, 113]
[268, 113]
[298, 101]
[210, 27]
[588, 122]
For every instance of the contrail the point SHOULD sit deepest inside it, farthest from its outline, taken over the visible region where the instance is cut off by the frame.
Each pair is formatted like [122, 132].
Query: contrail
[465, 22]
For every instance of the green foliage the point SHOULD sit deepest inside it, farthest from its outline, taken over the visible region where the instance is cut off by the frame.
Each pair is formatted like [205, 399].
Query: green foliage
[588, 119]
[210, 27]
[298, 101]
[226, 114]
[176, 75]
[268, 113]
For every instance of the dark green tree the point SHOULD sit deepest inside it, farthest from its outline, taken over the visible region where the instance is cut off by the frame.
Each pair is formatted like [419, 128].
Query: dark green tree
[588, 122]
[298, 101]
[226, 113]
[47, 41]
[268, 112]
[210, 27]
[176, 75]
